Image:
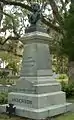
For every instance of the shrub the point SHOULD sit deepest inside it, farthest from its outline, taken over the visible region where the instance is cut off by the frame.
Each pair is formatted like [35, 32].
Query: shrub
[3, 98]
[62, 76]
[3, 74]
[68, 88]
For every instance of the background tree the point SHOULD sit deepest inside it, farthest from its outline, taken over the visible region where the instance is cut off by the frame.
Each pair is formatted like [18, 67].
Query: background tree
[68, 41]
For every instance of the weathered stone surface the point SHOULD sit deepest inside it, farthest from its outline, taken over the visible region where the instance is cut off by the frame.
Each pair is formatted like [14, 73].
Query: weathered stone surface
[34, 28]
[36, 59]
[37, 101]
[37, 94]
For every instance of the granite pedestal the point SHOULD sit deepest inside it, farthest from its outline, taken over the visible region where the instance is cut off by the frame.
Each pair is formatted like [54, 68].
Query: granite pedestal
[37, 94]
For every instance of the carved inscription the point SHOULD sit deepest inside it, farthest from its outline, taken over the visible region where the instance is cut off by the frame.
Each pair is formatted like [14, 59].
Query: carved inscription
[21, 101]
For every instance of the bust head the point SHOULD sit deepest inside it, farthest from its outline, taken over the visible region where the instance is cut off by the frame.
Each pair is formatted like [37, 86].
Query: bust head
[35, 15]
[35, 7]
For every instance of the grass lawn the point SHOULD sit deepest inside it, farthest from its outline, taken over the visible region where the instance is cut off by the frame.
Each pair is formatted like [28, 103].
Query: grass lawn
[6, 117]
[68, 116]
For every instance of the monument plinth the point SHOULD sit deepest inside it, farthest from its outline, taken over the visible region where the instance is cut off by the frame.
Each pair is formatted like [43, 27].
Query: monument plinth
[37, 94]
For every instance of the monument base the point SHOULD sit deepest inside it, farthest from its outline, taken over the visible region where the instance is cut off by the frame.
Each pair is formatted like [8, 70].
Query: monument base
[38, 99]
[40, 113]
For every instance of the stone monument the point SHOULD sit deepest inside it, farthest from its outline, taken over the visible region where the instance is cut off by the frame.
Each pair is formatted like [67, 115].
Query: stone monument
[37, 94]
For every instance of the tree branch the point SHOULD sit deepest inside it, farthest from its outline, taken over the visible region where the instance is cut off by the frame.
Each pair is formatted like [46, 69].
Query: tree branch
[16, 37]
[48, 23]
[55, 12]
[3, 29]
[9, 38]
[64, 7]
[1, 10]
[54, 8]
[6, 2]
[4, 49]
[14, 28]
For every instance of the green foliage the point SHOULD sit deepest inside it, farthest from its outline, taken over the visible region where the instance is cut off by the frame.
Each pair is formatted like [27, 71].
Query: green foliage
[68, 88]
[68, 39]
[69, 116]
[11, 60]
[7, 22]
[3, 74]
[62, 76]
[60, 61]
[13, 65]
[3, 98]
[7, 81]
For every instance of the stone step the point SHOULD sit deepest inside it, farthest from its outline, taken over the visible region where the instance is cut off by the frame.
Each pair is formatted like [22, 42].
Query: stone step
[35, 80]
[40, 113]
[45, 81]
[44, 112]
[41, 80]
[47, 87]
[47, 84]
[37, 100]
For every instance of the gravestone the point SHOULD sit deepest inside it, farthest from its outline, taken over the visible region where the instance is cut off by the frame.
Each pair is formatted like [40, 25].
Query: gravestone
[37, 94]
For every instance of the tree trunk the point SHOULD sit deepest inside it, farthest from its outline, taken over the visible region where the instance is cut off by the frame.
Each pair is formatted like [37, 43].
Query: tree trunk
[71, 72]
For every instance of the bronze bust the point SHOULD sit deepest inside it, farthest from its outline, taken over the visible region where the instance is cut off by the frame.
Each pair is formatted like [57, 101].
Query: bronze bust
[36, 15]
